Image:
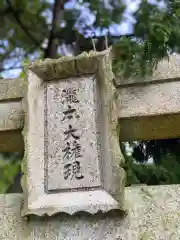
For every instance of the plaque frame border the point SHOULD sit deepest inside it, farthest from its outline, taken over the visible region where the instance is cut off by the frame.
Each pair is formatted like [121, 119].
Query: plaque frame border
[111, 195]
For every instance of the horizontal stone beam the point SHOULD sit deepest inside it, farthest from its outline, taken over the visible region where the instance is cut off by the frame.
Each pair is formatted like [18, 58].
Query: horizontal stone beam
[159, 223]
[149, 110]
[11, 115]
[11, 141]
[146, 111]
[150, 127]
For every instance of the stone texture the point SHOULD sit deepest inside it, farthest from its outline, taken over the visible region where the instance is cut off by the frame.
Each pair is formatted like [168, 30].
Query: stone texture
[11, 141]
[149, 110]
[168, 68]
[11, 115]
[146, 111]
[12, 89]
[148, 99]
[83, 119]
[103, 185]
[153, 213]
[12, 226]
[150, 127]
[66, 66]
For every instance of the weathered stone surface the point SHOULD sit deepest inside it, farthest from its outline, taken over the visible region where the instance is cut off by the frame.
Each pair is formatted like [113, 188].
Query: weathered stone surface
[12, 226]
[168, 68]
[102, 185]
[150, 127]
[66, 66]
[11, 115]
[148, 99]
[149, 110]
[12, 89]
[72, 103]
[146, 111]
[11, 141]
[153, 213]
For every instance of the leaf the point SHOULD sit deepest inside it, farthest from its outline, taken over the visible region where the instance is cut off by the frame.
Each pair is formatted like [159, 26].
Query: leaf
[117, 14]
[178, 12]
[8, 173]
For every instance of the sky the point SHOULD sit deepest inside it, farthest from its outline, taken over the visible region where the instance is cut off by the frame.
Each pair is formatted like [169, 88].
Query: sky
[125, 27]
[116, 29]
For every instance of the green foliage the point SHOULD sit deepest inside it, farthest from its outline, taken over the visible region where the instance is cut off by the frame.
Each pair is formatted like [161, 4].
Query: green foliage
[130, 59]
[25, 25]
[157, 34]
[156, 149]
[8, 172]
[165, 173]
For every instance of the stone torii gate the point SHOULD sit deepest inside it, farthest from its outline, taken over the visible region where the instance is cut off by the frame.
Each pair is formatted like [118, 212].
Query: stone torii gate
[146, 108]
[143, 110]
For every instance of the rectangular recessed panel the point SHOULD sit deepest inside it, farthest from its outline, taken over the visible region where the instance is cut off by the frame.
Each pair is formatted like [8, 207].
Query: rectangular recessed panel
[71, 134]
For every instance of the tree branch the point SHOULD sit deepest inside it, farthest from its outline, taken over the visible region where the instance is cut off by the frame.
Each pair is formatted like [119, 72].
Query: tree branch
[51, 50]
[85, 44]
[23, 27]
[5, 11]
[116, 37]
[74, 34]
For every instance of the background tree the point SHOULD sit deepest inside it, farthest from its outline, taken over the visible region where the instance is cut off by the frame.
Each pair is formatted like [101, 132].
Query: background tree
[156, 149]
[165, 173]
[31, 29]
[50, 28]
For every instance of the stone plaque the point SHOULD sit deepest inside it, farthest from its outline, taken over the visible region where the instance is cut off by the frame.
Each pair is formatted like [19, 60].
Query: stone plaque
[71, 134]
[72, 155]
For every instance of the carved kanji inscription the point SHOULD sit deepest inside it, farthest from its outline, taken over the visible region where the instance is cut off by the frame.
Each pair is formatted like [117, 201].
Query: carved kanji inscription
[73, 158]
